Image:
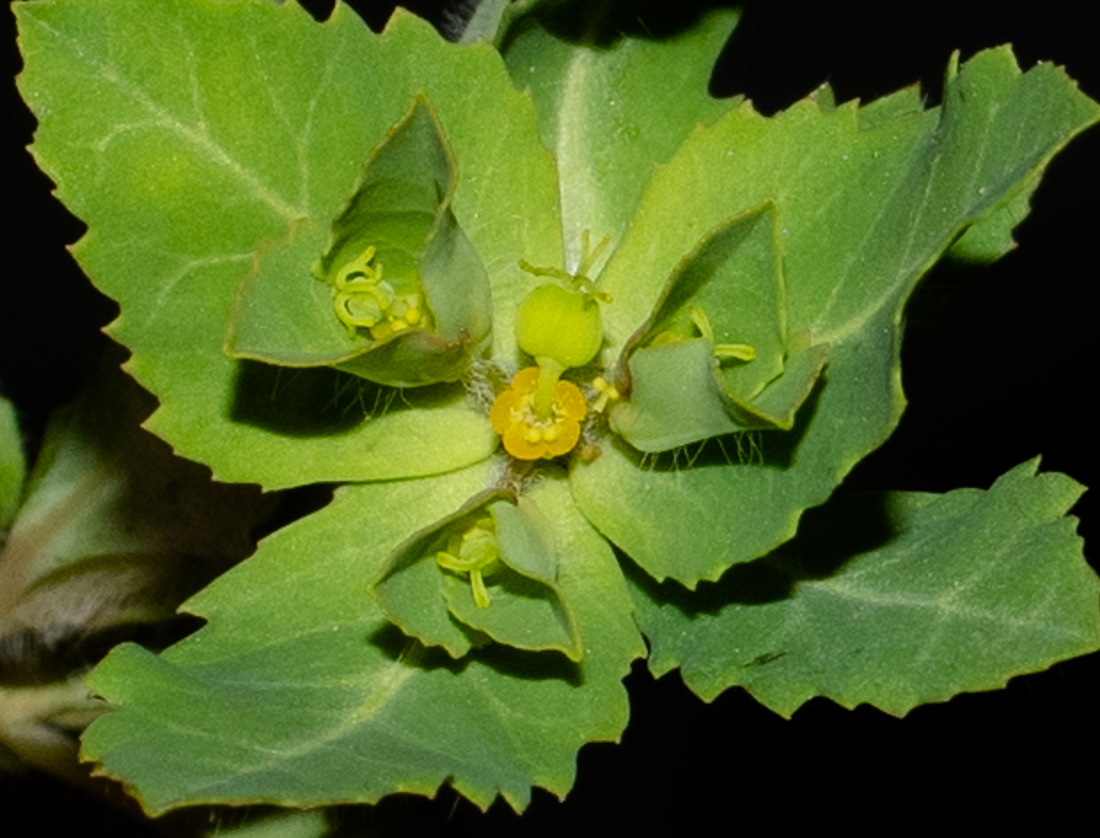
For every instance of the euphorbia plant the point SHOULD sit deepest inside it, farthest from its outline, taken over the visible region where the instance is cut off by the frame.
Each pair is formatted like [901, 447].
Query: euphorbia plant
[581, 344]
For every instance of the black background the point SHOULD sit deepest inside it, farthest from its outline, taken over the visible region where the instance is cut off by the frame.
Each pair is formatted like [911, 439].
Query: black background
[999, 365]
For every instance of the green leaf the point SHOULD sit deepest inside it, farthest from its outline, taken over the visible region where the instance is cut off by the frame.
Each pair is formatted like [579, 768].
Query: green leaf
[39, 723]
[901, 104]
[298, 692]
[675, 397]
[991, 238]
[863, 213]
[189, 134]
[396, 250]
[694, 512]
[893, 599]
[275, 824]
[13, 466]
[612, 114]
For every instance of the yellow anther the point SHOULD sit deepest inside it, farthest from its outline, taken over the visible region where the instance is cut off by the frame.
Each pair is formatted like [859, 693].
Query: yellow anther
[605, 392]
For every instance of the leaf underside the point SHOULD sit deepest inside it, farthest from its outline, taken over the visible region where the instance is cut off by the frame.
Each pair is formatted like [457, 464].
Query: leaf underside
[892, 599]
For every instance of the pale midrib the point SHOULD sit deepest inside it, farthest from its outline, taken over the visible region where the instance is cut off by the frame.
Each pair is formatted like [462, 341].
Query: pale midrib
[201, 140]
[947, 606]
[306, 134]
[386, 684]
[856, 324]
[577, 178]
[923, 261]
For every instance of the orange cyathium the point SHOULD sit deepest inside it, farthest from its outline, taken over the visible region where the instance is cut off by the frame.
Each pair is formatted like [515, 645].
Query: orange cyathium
[527, 436]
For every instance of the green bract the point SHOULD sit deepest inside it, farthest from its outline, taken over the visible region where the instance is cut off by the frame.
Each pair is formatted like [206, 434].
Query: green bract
[685, 376]
[404, 300]
[915, 616]
[303, 221]
[422, 586]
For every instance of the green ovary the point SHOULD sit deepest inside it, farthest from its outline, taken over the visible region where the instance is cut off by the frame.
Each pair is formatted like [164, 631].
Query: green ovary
[563, 325]
[474, 552]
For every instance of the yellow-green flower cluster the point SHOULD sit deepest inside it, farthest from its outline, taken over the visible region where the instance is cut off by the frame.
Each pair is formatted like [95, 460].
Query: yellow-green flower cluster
[363, 299]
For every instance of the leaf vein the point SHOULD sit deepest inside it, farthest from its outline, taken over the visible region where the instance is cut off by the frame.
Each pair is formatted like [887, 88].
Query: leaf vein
[198, 136]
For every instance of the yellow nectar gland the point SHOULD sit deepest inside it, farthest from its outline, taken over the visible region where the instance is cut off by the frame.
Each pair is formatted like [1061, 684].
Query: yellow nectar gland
[363, 299]
[526, 434]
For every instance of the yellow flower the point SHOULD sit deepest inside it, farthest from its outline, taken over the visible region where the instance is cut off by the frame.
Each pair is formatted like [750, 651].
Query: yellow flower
[526, 435]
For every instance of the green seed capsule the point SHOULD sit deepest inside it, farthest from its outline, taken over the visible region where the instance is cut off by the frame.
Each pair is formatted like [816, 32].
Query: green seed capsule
[553, 322]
